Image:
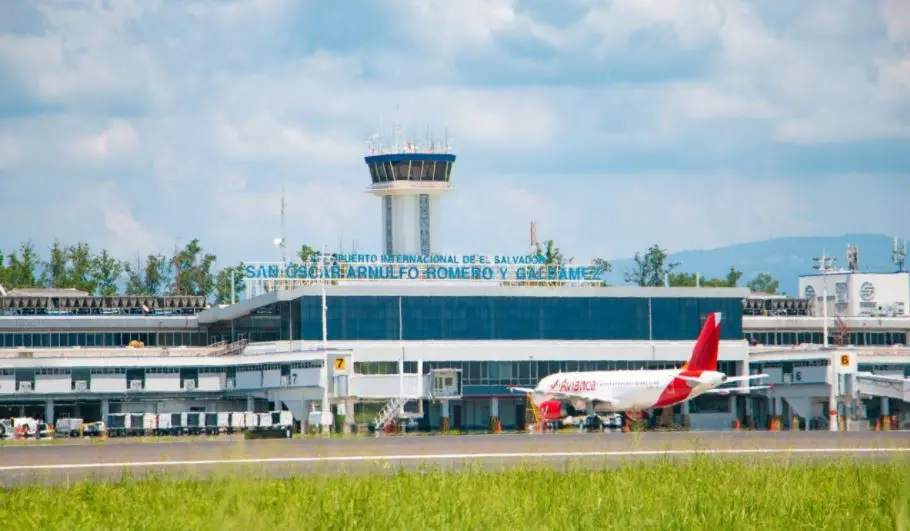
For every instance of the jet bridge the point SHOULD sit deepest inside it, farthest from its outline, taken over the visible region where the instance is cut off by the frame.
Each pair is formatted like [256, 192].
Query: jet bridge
[867, 384]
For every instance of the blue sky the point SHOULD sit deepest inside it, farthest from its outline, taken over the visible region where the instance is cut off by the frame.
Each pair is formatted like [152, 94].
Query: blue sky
[137, 126]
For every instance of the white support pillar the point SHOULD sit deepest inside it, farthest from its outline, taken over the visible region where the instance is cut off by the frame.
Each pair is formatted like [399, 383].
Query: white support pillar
[251, 403]
[349, 418]
[49, 411]
[832, 396]
[105, 409]
[305, 421]
[494, 414]
[444, 420]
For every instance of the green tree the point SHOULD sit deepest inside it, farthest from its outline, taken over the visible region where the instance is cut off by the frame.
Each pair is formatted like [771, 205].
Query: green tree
[551, 254]
[193, 271]
[223, 283]
[54, 274]
[149, 278]
[157, 275]
[105, 271]
[651, 267]
[135, 278]
[688, 280]
[20, 273]
[605, 266]
[307, 253]
[3, 271]
[81, 267]
[764, 283]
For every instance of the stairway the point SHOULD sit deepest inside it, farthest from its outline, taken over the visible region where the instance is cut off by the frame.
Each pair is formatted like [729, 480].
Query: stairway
[388, 412]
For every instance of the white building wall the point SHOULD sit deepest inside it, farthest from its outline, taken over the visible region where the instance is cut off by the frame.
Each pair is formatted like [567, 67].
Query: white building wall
[248, 379]
[859, 294]
[305, 377]
[435, 220]
[381, 386]
[7, 384]
[162, 382]
[108, 383]
[211, 381]
[53, 383]
[405, 224]
[271, 378]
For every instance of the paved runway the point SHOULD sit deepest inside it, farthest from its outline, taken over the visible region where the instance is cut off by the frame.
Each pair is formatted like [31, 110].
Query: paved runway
[109, 460]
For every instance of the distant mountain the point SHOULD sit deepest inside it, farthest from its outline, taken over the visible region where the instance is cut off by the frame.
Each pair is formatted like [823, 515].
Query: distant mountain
[783, 258]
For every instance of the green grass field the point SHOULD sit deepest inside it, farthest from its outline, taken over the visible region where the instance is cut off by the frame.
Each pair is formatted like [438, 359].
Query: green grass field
[701, 494]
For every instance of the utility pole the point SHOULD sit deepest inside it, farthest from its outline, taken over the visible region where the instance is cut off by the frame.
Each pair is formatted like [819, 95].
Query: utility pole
[326, 413]
[823, 264]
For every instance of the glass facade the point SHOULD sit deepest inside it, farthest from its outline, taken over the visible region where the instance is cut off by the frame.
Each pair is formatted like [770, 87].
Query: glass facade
[794, 337]
[48, 339]
[275, 322]
[376, 318]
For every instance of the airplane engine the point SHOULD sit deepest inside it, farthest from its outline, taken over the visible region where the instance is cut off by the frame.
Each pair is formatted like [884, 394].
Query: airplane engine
[553, 410]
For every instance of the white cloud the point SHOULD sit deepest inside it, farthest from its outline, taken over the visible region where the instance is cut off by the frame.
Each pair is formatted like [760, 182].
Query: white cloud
[10, 151]
[613, 124]
[896, 16]
[115, 142]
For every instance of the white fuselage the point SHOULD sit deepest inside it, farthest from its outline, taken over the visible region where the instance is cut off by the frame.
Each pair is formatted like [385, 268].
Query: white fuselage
[625, 390]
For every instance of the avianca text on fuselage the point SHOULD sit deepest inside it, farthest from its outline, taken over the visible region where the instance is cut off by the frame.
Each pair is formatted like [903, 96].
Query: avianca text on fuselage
[565, 385]
[626, 390]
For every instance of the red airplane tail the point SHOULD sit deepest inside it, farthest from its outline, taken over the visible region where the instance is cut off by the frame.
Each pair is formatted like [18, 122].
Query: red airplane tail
[704, 355]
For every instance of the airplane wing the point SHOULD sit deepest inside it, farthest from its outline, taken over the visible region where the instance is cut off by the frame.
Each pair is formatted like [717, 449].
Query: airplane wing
[744, 378]
[728, 390]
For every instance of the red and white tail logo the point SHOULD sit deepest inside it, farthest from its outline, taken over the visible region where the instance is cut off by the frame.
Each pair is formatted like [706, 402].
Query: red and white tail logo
[704, 355]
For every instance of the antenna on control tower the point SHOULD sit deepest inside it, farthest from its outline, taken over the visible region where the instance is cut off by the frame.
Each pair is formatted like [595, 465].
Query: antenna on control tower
[898, 253]
[852, 258]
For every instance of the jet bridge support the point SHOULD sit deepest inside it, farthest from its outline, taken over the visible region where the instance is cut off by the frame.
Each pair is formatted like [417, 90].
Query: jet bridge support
[444, 385]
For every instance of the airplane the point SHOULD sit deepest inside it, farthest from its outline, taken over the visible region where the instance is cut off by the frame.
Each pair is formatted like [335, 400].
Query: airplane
[638, 390]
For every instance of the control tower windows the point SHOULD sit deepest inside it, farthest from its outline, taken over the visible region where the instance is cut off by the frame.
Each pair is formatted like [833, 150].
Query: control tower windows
[441, 171]
[427, 171]
[374, 175]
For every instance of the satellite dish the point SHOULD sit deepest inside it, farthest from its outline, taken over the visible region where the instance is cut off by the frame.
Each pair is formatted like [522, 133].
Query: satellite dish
[278, 242]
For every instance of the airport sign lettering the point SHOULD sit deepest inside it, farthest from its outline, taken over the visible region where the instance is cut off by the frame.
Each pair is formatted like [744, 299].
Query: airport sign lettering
[437, 267]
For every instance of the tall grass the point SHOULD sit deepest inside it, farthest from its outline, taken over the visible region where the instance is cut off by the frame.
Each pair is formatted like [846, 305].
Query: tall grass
[699, 494]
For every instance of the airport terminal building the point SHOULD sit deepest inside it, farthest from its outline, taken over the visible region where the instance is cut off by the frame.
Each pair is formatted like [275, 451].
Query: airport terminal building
[439, 339]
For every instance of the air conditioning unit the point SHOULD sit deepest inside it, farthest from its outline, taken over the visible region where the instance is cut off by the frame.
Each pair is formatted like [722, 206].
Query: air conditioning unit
[189, 385]
[135, 385]
[81, 386]
[25, 387]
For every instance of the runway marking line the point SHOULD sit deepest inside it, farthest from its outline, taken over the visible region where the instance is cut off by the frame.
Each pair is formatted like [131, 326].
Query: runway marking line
[363, 458]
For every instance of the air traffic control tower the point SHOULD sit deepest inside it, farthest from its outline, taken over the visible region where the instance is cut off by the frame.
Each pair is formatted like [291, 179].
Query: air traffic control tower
[410, 180]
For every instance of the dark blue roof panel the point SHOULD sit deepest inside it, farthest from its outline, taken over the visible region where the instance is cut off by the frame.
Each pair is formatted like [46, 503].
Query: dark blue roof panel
[399, 157]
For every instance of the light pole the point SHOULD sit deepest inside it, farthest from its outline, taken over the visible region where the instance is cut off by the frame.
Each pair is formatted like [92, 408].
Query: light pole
[823, 264]
[326, 413]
